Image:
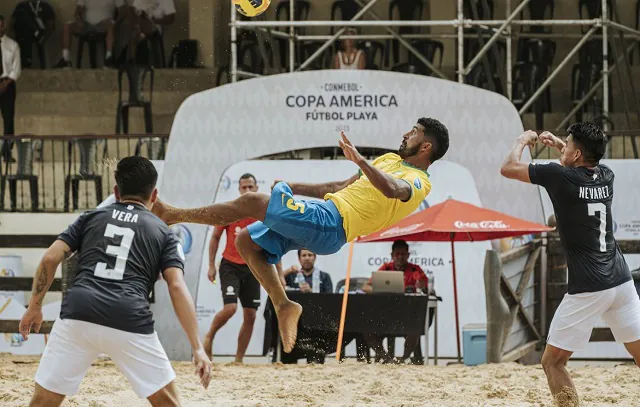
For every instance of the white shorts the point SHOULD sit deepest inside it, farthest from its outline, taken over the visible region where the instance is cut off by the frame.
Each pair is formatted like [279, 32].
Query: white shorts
[74, 345]
[577, 314]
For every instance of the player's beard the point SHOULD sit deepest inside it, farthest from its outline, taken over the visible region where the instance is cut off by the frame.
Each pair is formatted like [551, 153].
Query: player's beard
[406, 152]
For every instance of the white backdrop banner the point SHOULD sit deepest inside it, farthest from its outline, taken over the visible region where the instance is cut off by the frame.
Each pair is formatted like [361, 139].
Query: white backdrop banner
[450, 180]
[218, 128]
[626, 226]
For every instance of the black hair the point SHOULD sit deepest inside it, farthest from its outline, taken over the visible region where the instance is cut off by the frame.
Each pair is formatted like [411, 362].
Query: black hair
[438, 134]
[136, 177]
[248, 175]
[590, 140]
[300, 251]
[2, 18]
[399, 244]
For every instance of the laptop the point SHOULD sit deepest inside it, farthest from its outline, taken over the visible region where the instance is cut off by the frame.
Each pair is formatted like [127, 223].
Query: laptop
[387, 282]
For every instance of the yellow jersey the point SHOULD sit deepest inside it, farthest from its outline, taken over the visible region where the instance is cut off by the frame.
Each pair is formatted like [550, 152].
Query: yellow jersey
[365, 209]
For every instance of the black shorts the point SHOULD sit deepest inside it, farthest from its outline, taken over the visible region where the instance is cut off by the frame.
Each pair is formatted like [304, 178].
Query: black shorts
[237, 282]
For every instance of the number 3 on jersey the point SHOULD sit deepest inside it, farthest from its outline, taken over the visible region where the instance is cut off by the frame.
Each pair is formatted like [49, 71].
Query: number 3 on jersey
[600, 208]
[121, 252]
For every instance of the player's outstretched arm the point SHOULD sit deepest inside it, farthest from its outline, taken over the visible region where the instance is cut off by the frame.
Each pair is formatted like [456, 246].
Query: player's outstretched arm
[319, 190]
[185, 311]
[390, 187]
[512, 167]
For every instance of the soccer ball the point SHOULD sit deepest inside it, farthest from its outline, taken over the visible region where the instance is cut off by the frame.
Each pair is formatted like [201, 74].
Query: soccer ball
[251, 8]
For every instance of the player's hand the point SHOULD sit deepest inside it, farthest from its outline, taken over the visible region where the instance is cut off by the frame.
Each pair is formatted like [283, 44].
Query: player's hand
[304, 287]
[529, 137]
[31, 318]
[203, 367]
[350, 152]
[550, 140]
[211, 275]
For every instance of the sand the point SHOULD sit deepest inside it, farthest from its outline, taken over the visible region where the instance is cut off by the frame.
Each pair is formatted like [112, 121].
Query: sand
[348, 384]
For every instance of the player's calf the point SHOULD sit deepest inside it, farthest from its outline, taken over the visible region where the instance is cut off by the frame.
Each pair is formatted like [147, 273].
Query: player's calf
[45, 398]
[165, 397]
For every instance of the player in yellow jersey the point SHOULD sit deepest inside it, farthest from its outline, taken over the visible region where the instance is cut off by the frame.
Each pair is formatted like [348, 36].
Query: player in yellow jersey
[381, 194]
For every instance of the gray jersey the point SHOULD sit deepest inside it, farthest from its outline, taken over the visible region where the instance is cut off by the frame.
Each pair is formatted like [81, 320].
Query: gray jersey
[582, 200]
[122, 248]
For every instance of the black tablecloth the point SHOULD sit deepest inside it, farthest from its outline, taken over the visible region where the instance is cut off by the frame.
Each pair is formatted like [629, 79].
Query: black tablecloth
[382, 314]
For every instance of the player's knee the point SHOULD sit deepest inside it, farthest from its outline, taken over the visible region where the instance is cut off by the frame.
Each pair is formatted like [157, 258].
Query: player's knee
[249, 315]
[165, 397]
[553, 358]
[230, 309]
[244, 243]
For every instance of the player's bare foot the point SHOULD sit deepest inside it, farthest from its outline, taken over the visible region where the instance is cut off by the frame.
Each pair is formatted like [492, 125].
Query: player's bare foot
[164, 212]
[207, 344]
[288, 317]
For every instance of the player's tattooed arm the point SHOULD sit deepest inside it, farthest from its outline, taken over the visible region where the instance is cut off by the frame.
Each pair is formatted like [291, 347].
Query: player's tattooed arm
[46, 271]
[512, 167]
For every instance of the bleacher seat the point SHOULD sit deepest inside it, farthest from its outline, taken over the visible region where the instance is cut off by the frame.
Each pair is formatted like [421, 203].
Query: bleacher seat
[88, 152]
[136, 76]
[429, 49]
[406, 10]
[24, 172]
[538, 10]
[374, 52]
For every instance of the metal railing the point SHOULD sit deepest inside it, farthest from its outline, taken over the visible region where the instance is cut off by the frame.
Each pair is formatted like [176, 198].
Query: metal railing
[600, 28]
[55, 173]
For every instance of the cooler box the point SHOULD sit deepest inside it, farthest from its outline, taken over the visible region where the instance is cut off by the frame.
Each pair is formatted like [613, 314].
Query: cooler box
[474, 344]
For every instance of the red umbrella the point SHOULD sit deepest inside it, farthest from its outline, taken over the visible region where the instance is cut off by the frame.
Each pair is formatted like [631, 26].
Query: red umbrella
[454, 221]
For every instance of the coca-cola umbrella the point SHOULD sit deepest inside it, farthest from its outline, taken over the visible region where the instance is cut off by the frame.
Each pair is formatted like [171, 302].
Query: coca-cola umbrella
[454, 221]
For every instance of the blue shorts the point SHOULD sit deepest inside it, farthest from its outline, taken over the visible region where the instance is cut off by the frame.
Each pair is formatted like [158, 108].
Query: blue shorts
[292, 224]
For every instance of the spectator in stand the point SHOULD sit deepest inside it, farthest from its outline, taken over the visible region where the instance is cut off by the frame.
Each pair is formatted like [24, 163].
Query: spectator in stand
[308, 279]
[149, 17]
[33, 22]
[91, 16]
[414, 280]
[10, 69]
[349, 57]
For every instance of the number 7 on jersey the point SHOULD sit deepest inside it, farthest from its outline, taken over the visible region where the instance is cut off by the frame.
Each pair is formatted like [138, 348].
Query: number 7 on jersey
[121, 252]
[599, 207]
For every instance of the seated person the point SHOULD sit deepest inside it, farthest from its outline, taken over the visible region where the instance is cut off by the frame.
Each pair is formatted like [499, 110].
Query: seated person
[315, 281]
[414, 279]
[149, 18]
[33, 22]
[91, 16]
[349, 57]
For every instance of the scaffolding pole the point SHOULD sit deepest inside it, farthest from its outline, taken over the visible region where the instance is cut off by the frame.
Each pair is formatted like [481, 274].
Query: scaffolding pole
[460, 42]
[605, 74]
[557, 70]
[408, 46]
[292, 40]
[508, 56]
[494, 38]
[234, 46]
[408, 23]
[335, 36]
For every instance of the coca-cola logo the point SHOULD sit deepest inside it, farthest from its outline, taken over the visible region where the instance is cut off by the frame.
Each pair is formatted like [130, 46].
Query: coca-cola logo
[401, 231]
[485, 224]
